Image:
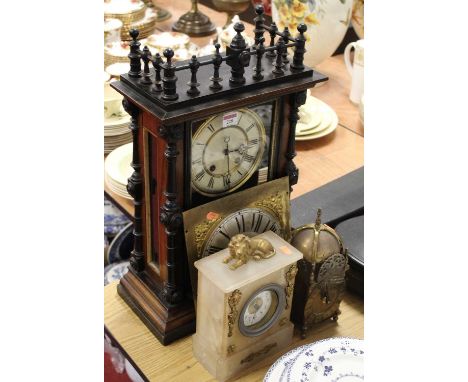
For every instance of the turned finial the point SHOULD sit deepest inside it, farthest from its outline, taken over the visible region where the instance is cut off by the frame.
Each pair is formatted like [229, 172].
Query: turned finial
[135, 55]
[146, 58]
[169, 79]
[193, 65]
[215, 78]
[157, 61]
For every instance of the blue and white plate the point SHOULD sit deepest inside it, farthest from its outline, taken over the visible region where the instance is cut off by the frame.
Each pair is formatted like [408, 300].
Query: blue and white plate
[330, 360]
[115, 271]
[278, 370]
[114, 219]
[121, 247]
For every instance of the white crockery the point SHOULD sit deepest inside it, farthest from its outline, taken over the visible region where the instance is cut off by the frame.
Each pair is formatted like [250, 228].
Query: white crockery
[356, 69]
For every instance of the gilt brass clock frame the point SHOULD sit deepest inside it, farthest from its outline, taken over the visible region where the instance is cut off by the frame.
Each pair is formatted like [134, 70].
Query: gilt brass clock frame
[200, 222]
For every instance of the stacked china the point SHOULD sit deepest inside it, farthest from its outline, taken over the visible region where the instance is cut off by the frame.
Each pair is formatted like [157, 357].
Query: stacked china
[317, 120]
[118, 170]
[116, 120]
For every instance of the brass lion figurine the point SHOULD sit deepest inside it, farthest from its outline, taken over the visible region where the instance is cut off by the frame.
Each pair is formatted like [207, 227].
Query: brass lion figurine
[242, 248]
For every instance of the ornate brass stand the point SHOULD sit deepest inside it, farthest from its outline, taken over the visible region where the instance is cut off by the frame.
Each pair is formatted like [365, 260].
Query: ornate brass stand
[231, 7]
[194, 23]
[161, 14]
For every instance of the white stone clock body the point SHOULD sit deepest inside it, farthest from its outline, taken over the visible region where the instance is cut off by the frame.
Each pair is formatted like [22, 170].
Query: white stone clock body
[226, 151]
[243, 314]
[249, 221]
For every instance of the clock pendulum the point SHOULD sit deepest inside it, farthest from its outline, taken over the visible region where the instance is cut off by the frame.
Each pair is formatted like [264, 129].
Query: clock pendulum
[203, 130]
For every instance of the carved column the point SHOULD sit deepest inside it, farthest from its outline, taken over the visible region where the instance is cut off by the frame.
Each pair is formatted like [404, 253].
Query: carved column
[296, 100]
[171, 213]
[135, 189]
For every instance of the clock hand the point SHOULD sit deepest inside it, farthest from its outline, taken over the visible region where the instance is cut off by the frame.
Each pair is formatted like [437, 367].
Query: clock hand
[226, 152]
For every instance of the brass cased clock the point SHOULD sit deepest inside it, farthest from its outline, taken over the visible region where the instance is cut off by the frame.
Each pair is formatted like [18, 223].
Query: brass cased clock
[210, 227]
[202, 129]
[243, 314]
[320, 280]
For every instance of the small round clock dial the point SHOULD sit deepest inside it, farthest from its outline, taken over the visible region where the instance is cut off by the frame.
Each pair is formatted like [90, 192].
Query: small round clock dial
[226, 151]
[261, 310]
[249, 221]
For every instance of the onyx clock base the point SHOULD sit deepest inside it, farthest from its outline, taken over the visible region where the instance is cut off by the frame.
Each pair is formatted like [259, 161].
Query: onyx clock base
[223, 368]
[167, 323]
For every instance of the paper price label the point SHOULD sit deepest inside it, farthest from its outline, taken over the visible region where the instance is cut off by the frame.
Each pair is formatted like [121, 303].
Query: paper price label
[230, 119]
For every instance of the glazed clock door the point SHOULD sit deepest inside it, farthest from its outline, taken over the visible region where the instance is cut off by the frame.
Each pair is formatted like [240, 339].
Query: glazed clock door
[230, 151]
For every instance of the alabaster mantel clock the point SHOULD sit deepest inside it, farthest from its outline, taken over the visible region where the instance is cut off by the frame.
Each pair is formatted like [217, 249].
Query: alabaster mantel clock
[244, 303]
[203, 129]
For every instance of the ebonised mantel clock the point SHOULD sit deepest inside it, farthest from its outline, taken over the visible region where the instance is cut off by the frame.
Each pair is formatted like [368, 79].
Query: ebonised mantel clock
[202, 130]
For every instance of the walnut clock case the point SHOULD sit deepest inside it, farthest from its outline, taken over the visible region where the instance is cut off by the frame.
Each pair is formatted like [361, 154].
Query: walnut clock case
[243, 314]
[201, 130]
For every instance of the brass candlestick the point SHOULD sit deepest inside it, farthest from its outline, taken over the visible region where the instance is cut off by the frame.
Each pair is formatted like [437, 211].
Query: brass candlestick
[194, 23]
[231, 7]
[161, 14]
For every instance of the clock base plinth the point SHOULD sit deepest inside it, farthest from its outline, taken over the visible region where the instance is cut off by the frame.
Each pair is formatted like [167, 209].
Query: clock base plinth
[224, 368]
[167, 323]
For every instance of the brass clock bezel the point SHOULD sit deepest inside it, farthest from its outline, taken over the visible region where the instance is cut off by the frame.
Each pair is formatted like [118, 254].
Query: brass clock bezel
[254, 166]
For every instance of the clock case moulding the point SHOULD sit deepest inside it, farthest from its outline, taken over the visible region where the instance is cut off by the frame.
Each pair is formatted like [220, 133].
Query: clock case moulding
[159, 290]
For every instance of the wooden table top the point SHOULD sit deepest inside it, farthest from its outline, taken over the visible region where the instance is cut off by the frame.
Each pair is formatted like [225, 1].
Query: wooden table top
[319, 161]
[176, 362]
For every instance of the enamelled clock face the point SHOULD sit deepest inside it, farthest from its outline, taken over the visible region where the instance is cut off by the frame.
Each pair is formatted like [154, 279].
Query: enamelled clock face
[261, 310]
[226, 151]
[249, 221]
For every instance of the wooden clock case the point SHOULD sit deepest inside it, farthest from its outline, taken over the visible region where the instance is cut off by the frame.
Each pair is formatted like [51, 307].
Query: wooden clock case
[157, 286]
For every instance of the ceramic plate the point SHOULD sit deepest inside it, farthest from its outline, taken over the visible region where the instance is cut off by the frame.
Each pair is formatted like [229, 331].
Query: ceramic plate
[114, 219]
[117, 121]
[314, 135]
[329, 360]
[122, 245]
[115, 271]
[171, 40]
[277, 371]
[117, 164]
[326, 119]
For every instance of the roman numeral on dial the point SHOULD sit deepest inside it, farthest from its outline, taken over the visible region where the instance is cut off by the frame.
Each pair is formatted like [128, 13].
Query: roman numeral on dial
[227, 180]
[211, 182]
[214, 249]
[200, 175]
[250, 127]
[253, 142]
[248, 158]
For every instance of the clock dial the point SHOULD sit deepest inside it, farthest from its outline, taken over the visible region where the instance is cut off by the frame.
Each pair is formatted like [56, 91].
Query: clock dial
[262, 310]
[259, 307]
[226, 151]
[249, 221]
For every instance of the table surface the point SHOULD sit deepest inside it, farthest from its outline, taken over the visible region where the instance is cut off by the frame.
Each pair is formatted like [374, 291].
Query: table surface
[319, 161]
